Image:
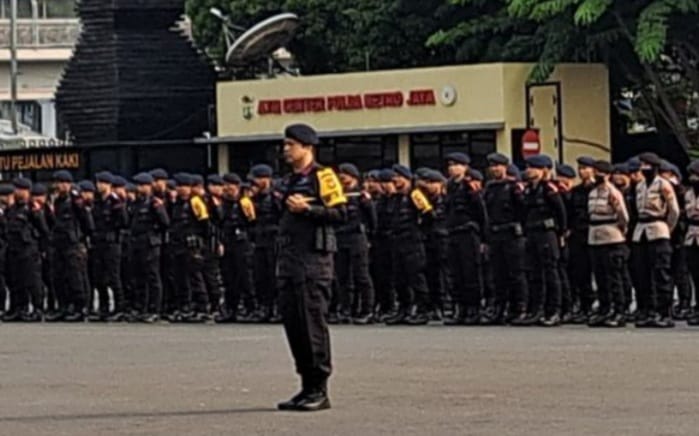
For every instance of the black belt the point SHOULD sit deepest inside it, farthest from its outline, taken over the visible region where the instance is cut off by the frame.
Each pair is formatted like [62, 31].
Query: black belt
[470, 226]
[498, 228]
[547, 224]
[603, 222]
[650, 220]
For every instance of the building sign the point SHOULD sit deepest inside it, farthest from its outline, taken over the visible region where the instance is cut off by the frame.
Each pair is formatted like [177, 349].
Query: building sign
[38, 160]
[346, 102]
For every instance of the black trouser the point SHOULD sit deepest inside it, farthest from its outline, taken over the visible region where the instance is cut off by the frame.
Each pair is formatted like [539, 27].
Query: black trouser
[3, 276]
[304, 291]
[580, 271]
[507, 259]
[409, 268]
[146, 284]
[680, 275]
[70, 275]
[567, 301]
[212, 277]
[264, 273]
[167, 272]
[653, 262]
[542, 267]
[436, 249]
[609, 263]
[52, 302]
[25, 279]
[693, 266]
[236, 266]
[191, 289]
[105, 273]
[465, 265]
[627, 280]
[355, 289]
[384, 283]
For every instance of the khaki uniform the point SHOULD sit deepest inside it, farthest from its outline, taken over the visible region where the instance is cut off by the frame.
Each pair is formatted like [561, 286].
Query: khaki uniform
[609, 217]
[658, 210]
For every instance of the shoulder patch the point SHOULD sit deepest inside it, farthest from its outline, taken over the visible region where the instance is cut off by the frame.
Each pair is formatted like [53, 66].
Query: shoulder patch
[199, 208]
[331, 192]
[248, 208]
[421, 202]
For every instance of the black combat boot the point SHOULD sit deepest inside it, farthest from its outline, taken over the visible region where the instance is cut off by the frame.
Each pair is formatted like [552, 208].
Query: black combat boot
[552, 320]
[533, 318]
[472, 317]
[398, 318]
[418, 316]
[457, 316]
[363, 319]
[618, 319]
[599, 319]
[648, 320]
[693, 318]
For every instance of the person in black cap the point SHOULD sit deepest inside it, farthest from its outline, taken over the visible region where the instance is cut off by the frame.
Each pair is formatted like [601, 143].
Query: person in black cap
[26, 227]
[504, 199]
[213, 250]
[73, 225]
[467, 223]
[565, 182]
[409, 259]
[149, 219]
[545, 221]
[691, 240]
[658, 214]
[607, 239]
[160, 179]
[314, 202]
[433, 184]
[110, 217]
[622, 182]
[239, 216]
[268, 209]
[189, 227]
[354, 284]
[6, 200]
[40, 196]
[382, 249]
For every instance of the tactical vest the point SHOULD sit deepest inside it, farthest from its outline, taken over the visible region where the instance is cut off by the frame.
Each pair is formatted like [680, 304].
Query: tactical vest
[184, 224]
[385, 211]
[437, 225]
[580, 219]
[539, 213]
[234, 224]
[652, 209]
[66, 229]
[144, 223]
[354, 223]
[107, 226]
[459, 207]
[604, 218]
[406, 219]
[20, 231]
[500, 202]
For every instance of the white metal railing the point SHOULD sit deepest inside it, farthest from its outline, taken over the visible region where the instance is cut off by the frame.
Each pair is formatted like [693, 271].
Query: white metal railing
[42, 33]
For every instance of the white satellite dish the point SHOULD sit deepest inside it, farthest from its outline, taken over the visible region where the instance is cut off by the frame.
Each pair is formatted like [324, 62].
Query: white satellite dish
[262, 40]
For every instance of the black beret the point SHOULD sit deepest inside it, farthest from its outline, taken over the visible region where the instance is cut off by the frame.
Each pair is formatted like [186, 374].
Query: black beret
[650, 158]
[460, 158]
[434, 176]
[159, 174]
[183, 179]
[86, 186]
[669, 167]
[197, 179]
[422, 172]
[621, 168]
[118, 182]
[130, 187]
[564, 170]
[586, 161]
[232, 178]
[302, 133]
[171, 184]
[402, 171]
[634, 164]
[22, 183]
[386, 175]
[63, 176]
[498, 159]
[104, 177]
[261, 170]
[694, 167]
[143, 179]
[214, 179]
[539, 161]
[349, 169]
[39, 189]
[476, 175]
[513, 171]
[373, 175]
[604, 167]
[6, 189]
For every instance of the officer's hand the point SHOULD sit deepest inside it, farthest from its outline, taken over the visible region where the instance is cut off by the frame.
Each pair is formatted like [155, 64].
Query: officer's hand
[297, 204]
[484, 249]
[220, 250]
[562, 241]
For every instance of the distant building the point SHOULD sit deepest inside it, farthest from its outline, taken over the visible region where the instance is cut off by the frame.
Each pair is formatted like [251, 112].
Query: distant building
[47, 31]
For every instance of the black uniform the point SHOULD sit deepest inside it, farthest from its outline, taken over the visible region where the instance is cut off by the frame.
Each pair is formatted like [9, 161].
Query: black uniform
[580, 265]
[236, 263]
[73, 224]
[628, 278]
[26, 226]
[110, 216]
[212, 268]
[46, 250]
[467, 223]
[355, 294]
[305, 270]
[3, 257]
[436, 249]
[149, 219]
[545, 223]
[505, 204]
[382, 255]
[680, 271]
[266, 230]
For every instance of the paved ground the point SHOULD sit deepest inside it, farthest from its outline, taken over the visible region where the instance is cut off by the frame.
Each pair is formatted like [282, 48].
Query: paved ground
[211, 380]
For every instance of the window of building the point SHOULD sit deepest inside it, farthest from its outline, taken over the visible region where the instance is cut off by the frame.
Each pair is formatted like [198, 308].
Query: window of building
[28, 113]
[429, 149]
[366, 152]
[45, 9]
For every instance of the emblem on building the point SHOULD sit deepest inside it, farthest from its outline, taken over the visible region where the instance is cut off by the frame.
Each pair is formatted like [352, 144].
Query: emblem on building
[248, 105]
[448, 95]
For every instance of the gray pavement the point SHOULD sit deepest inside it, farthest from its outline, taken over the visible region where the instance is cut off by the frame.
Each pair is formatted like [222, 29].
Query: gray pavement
[225, 380]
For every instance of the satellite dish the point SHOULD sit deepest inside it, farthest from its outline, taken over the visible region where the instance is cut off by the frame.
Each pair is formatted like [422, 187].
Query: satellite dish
[263, 39]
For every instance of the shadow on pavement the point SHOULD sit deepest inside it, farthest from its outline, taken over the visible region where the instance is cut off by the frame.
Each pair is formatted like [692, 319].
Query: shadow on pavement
[127, 415]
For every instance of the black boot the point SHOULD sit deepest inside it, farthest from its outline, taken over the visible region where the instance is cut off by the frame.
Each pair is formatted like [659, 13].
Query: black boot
[618, 319]
[419, 316]
[473, 316]
[600, 319]
[398, 318]
[693, 319]
[553, 320]
[649, 320]
[457, 317]
[364, 319]
[532, 318]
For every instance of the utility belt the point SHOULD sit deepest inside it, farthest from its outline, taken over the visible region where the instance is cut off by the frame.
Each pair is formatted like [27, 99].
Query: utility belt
[351, 229]
[107, 238]
[322, 240]
[266, 230]
[470, 226]
[648, 220]
[542, 225]
[408, 236]
[151, 239]
[603, 222]
[514, 228]
[237, 234]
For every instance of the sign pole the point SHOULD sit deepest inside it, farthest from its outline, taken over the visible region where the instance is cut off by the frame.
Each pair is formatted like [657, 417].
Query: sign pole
[13, 66]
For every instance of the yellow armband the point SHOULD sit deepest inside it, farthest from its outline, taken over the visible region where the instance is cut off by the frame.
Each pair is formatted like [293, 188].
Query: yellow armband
[331, 192]
[420, 201]
[201, 212]
[248, 208]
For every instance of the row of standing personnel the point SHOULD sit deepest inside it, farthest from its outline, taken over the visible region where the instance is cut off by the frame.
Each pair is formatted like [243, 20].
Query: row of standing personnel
[415, 247]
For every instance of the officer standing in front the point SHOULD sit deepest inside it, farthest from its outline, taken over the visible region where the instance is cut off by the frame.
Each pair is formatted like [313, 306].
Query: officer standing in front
[313, 203]
[658, 214]
[545, 223]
